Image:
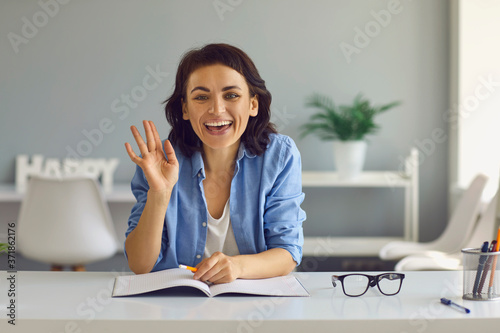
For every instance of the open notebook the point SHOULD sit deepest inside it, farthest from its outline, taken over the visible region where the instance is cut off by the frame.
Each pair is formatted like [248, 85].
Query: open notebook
[127, 285]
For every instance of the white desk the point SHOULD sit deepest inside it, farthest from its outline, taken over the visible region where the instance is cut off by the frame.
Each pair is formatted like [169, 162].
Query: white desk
[80, 302]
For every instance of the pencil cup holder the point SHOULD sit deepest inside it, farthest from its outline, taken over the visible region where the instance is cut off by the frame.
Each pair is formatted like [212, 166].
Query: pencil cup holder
[481, 275]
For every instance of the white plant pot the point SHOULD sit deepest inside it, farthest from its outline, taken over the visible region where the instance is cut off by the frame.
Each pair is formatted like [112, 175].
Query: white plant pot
[349, 158]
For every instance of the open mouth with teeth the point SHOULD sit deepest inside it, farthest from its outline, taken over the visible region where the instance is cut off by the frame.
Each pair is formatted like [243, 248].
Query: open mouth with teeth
[218, 126]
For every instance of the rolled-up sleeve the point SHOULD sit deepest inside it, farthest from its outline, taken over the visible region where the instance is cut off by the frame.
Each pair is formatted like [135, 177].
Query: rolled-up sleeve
[283, 215]
[139, 187]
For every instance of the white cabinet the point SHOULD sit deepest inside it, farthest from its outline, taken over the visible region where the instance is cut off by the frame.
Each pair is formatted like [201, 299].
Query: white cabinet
[406, 181]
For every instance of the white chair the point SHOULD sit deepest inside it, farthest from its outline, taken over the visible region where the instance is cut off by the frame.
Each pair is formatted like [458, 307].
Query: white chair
[65, 221]
[434, 260]
[457, 232]
[430, 261]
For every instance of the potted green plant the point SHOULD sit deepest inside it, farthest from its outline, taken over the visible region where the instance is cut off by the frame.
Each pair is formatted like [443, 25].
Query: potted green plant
[347, 126]
[3, 248]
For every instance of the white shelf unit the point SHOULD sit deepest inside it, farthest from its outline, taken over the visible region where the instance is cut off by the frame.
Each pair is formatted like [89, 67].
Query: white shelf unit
[366, 246]
[320, 246]
[120, 193]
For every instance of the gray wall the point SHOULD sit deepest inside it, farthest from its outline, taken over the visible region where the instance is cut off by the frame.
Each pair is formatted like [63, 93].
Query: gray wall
[71, 73]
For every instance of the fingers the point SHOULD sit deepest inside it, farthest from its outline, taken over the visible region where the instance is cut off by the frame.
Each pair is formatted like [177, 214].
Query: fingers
[222, 277]
[219, 268]
[150, 137]
[133, 156]
[156, 136]
[170, 152]
[138, 139]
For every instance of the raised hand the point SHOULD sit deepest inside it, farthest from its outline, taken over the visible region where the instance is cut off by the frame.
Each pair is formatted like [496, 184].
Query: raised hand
[161, 173]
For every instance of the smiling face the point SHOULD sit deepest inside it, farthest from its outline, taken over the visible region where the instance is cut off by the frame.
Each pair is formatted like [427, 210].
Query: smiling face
[218, 105]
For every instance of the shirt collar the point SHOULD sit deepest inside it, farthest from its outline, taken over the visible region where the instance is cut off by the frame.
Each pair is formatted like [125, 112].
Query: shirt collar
[197, 164]
[243, 151]
[199, 168]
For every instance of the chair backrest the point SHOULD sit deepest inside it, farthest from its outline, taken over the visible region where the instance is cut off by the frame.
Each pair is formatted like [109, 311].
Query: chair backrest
[65, 221]
[484, 230]
[463, 219]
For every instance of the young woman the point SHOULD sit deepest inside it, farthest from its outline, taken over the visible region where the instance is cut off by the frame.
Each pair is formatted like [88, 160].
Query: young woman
[223, 193]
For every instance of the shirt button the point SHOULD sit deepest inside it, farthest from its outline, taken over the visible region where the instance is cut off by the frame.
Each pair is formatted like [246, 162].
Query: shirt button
[198, 256]
[199, 174]
[204, 224]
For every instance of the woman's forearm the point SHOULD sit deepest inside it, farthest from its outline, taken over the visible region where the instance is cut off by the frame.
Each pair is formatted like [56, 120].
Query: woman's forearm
[270, 263]
[143, 244]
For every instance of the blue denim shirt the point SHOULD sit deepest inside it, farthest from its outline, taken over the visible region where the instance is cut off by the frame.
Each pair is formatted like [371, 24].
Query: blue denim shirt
[266, 193]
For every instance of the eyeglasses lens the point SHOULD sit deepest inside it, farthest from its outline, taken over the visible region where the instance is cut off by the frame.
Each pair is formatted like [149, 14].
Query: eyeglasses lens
[389, 284]
[355, 285]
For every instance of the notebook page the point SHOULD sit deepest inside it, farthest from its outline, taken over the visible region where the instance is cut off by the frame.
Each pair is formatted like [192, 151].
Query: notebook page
[277, 286]
[143, 283]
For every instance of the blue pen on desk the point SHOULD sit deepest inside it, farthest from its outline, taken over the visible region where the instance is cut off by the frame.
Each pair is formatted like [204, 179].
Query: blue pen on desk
[448, 302]
[480, 266]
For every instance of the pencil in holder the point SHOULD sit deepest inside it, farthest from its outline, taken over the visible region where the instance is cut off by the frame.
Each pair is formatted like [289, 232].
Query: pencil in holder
[481, 275]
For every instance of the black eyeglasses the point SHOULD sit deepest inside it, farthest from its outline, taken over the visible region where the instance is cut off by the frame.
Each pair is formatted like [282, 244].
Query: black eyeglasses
[357, 284]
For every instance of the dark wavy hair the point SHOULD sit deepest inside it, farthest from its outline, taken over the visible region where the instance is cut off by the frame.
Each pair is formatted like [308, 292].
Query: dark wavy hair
[256, 135]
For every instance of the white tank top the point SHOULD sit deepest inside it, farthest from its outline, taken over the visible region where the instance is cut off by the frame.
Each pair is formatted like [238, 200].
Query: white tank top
[220, 235]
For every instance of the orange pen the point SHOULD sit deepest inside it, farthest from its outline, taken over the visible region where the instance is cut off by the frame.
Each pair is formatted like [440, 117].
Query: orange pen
[192, 269]
[494, 265]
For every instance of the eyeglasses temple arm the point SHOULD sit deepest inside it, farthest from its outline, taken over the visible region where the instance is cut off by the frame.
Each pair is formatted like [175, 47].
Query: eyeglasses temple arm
[334, 278]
